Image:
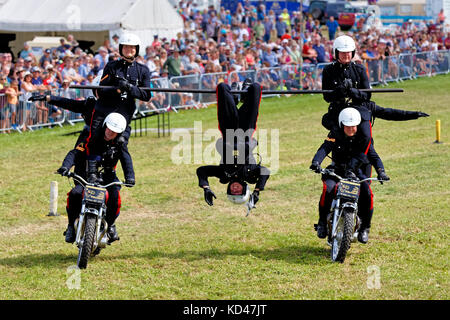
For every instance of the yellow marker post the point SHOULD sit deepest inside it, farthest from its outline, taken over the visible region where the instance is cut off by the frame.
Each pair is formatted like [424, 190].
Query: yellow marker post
[438, 131]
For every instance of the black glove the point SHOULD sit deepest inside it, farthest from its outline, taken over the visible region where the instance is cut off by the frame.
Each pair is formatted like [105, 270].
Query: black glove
[124, 85]
[315, 166]
[353, 93]
[63, 171]
[209, 196]
[130, 182]
[383, 176]
[422, 114]
[255, 196]
[41, 97]
[347, 83]
[349, 174]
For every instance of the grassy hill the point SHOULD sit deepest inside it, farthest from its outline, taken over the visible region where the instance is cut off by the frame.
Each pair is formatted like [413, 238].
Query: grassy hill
[174, 246]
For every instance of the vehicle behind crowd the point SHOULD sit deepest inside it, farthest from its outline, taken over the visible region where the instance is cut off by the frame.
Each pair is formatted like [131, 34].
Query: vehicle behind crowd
[343, 221]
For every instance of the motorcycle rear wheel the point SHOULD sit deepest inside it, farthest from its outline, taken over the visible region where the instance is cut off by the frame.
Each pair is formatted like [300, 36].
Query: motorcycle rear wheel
[85, 249]
[340, 244]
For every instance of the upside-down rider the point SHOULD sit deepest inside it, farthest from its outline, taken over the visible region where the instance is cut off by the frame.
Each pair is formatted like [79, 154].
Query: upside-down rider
[238, 166]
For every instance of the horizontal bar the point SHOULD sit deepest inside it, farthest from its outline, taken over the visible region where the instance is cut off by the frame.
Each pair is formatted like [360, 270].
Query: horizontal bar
[174, 90]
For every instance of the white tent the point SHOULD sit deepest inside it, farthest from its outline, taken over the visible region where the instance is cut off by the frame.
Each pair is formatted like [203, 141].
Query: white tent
[145, 18]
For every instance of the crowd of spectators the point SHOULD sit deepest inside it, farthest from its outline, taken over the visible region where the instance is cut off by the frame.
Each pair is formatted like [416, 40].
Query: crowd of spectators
[220, 42]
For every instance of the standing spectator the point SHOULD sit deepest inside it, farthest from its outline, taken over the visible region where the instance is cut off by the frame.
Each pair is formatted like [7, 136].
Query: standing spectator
[281, 27]
[332, 26]
[259, 30]
[441, 17]
[320, 49]
[268, 26]
[173, 64]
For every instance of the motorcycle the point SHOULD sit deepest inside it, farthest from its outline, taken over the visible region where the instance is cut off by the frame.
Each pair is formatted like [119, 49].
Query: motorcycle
[343, 221]
[91, 226]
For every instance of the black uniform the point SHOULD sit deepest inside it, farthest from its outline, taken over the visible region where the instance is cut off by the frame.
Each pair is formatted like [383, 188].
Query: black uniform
[130, 77]
[348, 155]
[237, 143]
[111, 153]
[77, 156]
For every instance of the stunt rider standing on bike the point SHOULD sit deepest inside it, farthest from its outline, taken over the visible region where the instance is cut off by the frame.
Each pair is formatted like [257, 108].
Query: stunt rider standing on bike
[111, 153]
[345, 78]
[347, 159]
[127, 77]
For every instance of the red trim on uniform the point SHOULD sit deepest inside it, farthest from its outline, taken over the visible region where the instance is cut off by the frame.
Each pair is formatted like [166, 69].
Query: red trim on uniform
[322, 197]
[119, 204]
[370, 141]
[371, 198]
[67, 202]
[90, 134]
[107, 196]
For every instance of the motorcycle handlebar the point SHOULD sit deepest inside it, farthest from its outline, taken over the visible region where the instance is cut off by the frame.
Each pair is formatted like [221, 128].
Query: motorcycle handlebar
[81, 180]
[332, 173]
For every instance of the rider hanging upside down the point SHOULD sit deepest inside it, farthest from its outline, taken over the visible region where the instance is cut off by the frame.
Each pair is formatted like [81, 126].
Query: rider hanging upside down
[238, 167]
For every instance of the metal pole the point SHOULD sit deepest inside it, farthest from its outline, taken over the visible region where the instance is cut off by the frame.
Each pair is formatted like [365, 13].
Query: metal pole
[237, 91]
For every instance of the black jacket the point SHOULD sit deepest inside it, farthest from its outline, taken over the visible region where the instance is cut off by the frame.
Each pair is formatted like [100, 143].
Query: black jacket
[111, 153]
[347, 152]
[250, 173]
[110, 100]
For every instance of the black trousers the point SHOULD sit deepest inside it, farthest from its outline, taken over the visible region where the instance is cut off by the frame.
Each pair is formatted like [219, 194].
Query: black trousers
[229, 116]
[237, 125]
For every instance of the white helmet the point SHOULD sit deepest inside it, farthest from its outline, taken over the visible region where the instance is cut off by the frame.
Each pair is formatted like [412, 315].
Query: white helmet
[129, 39]
[349, 117]
[344, 44]
[115, 122]
[239, 198]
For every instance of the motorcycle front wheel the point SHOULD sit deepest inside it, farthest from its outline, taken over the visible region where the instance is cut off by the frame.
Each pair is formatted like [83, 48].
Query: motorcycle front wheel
[344, 231]
[87, 241]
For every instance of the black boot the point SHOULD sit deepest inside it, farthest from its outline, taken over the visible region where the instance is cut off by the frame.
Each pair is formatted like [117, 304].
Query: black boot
[236, 96]
[112, 234]
[70, 233]
[245, 85]
[363, 235]
[92, 171]
[321, 228]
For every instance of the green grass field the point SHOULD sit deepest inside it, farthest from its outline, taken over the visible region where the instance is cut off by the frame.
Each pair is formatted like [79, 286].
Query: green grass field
[174, 246]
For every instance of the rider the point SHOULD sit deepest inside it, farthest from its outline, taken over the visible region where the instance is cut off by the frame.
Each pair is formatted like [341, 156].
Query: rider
[126, 76]
[238, 167]
[345, 78]
[111, 152]
[348, 157]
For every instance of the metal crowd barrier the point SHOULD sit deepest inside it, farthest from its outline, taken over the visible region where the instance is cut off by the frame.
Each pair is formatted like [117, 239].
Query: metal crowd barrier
[26, 115]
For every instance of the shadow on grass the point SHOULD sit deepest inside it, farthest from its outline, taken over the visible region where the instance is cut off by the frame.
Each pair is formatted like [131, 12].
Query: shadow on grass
[293, 254]
[49, 260]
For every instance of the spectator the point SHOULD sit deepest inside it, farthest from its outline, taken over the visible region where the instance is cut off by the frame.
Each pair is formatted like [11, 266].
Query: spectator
[173, 65]
[332, 26]
[281, 27]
